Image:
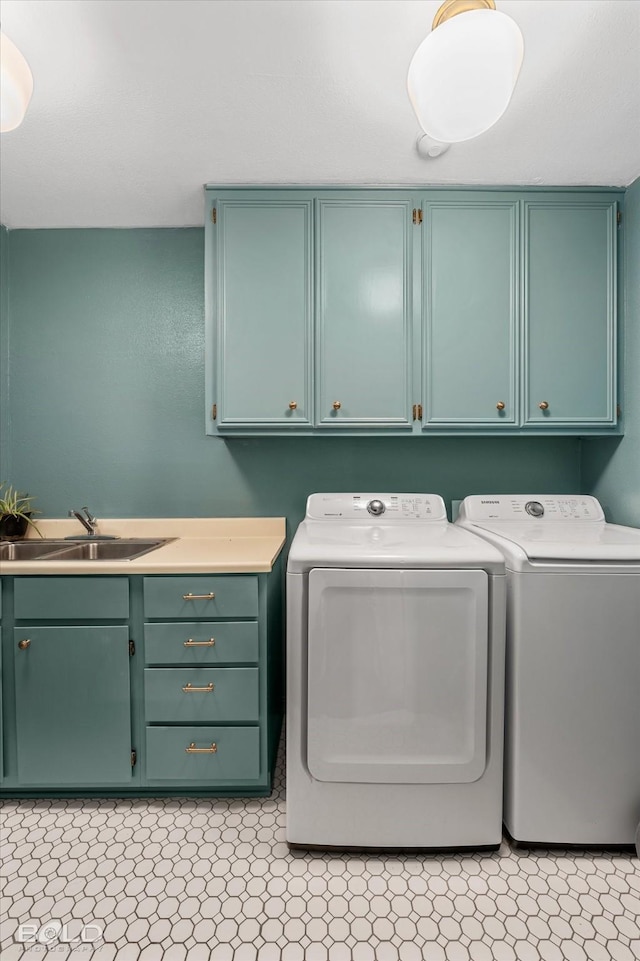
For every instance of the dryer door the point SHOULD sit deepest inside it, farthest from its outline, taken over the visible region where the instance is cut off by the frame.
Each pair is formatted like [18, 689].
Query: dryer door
[397, 675]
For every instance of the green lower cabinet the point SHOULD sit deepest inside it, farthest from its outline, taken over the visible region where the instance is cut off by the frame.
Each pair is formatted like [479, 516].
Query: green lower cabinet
[204, 755]
[73, 714]
[181, 692]
[1, 718]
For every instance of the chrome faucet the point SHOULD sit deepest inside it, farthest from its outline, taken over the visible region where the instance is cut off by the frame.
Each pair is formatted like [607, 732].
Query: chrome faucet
[89, 522]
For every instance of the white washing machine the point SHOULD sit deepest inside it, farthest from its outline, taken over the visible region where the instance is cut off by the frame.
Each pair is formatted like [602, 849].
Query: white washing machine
[572, 716]
[395, 670]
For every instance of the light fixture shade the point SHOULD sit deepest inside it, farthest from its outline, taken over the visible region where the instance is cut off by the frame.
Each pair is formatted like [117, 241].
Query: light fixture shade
[16, 85]
[463, 74]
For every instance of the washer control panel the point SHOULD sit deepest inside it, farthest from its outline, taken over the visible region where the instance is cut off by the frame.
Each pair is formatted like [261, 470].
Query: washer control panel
[382, 508]
[534, 507]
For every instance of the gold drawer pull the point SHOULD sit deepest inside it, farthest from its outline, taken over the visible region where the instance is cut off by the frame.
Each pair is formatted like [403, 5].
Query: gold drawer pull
[293, 405]
[500, 405]
[190, 689]
[336, 405]
[198, 597]
[544, 405]
[23, 645]
[192, 749]
[208, 643]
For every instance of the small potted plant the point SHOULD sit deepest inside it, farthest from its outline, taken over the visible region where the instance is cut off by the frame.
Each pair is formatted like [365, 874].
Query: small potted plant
[15, 513]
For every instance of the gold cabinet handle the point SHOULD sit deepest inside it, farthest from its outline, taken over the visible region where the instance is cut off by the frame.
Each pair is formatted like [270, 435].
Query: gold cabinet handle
[192, 749]
[198, 597]
[23, 645]
[293, 405]
[208, 643]
[544, 405]
[190, 689]
[500, 405]
[336, 405]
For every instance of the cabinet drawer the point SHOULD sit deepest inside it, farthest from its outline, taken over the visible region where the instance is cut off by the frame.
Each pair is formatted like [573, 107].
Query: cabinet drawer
[236, 758]
[71, 598]
[201, 642]
[233, 697]
[189, 596]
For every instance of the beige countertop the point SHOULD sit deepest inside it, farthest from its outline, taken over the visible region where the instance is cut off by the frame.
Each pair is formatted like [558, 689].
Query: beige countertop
[206, 545]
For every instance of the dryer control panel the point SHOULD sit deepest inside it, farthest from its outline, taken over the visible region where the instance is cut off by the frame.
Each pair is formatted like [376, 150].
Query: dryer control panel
[534, 507]
[379, 507]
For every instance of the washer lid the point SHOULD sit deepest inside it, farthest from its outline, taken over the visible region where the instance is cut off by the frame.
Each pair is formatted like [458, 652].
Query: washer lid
[369, 544]
[554, 528]
[569, 541]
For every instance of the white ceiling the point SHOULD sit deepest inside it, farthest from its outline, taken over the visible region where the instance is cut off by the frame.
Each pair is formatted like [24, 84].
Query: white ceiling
[138, 103]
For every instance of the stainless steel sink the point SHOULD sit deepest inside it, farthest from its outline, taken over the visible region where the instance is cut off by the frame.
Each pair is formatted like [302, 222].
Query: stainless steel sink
[124, 549]
[28, 550]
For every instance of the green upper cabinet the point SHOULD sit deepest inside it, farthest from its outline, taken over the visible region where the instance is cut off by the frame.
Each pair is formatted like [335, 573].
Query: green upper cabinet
[394, 311]
[569, 311]
[470, 312]
[260, 286]
[363, 312]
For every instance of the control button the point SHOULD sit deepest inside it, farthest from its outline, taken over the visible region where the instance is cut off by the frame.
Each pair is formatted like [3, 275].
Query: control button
[376, 508]
[534, 508]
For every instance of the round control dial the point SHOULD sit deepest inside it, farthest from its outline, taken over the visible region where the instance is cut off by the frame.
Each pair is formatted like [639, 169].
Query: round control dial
[534, 508]
[376, 508]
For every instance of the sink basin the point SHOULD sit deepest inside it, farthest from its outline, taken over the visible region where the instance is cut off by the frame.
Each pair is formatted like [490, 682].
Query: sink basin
[28, 550]
[124, 549]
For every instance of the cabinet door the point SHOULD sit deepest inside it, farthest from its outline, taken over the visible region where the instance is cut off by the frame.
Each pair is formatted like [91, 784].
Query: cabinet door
[73, 714]
[363, 312]
[569, 301]
[1, 712]
[263, 312]
[470, 304]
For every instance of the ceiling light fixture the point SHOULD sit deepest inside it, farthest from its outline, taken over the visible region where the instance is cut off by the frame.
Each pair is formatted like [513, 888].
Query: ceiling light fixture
[16, 85]
[430, 149]
[464, 72]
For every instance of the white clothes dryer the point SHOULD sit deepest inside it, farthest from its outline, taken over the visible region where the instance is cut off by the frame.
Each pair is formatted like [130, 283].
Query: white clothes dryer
[572, 716]
[395, 670]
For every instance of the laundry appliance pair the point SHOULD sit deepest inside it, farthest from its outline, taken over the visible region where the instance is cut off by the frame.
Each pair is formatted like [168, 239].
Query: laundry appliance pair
[396, 673]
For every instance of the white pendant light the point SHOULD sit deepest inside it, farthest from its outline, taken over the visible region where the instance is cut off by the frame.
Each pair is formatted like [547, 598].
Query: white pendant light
[16, 85]
[463, 74]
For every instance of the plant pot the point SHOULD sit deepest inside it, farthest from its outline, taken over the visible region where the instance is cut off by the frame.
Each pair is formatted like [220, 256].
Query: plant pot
[12, 528]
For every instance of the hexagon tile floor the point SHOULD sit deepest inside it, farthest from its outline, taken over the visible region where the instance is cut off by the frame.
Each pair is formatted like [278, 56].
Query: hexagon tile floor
[213, 880]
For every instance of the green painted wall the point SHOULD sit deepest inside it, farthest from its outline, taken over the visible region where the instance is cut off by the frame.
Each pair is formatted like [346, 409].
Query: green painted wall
[106, 402]
[611, 469]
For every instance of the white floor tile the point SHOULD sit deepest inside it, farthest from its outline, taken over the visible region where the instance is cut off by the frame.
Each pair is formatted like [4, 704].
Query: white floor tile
[212, 880]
